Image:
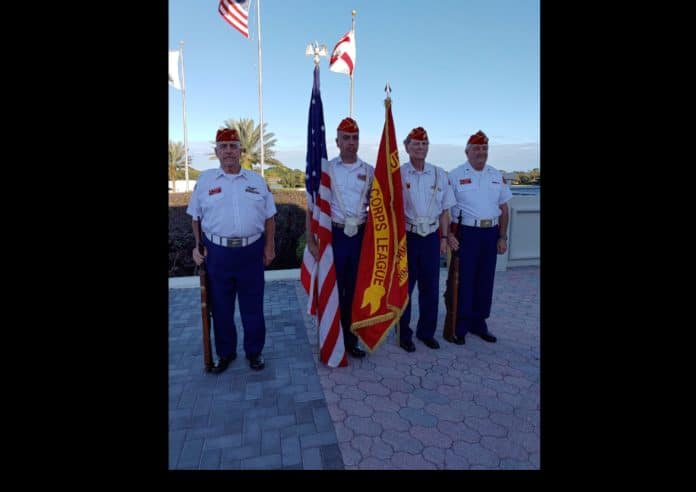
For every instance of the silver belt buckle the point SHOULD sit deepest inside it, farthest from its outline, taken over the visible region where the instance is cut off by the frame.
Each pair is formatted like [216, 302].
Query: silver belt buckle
[486, 223]
[234, 242]
[351, 227]
[423, 228]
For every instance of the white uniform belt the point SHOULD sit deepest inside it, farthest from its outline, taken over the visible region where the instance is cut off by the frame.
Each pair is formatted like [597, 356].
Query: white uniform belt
[479, 222]
[232, 242]
[341, 225]
[414, 227]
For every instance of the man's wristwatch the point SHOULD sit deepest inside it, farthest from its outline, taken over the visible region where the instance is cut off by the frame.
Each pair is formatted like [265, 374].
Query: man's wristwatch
[503, 237]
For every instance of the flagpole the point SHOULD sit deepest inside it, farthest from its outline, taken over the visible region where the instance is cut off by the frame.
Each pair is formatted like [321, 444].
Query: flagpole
[183, 98]
[351, 75]
[258, 21]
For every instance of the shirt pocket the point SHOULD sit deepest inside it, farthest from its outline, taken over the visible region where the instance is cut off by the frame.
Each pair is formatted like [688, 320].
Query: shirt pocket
[253, 197]
[495, 188]
[213, 199]
[356, 185]
[466, 187]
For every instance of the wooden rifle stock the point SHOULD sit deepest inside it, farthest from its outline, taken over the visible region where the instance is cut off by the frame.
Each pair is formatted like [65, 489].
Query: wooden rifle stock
[452, 289]
[205, 311]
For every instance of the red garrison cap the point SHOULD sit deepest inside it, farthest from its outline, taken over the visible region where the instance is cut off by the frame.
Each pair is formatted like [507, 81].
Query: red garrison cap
[478, 138]
[227, 135]
[418, 133]
[348, 125]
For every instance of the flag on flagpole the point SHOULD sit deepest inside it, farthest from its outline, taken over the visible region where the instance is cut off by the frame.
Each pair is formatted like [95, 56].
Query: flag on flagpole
[174, 69]
[236, 14]
[319, 278]
[343, 55]
[381, 291]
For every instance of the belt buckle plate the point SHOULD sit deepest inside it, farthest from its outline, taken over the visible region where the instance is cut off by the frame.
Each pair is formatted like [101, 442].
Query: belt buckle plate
[486, 223]
[423, 228]
[351, 226]
[234, 242]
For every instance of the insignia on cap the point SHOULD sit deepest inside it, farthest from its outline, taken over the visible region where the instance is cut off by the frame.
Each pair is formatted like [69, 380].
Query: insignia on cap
[227, 135]
[348, 125]
[478, 138]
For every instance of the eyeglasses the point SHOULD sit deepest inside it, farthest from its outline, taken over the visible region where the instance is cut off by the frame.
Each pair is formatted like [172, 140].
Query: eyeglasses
[483, 148]
[234, 145]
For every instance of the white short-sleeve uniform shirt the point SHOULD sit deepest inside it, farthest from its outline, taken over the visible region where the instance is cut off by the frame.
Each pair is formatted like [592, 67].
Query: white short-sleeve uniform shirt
[350, 189]
[479, 194]
[232, 205]
[426, 193]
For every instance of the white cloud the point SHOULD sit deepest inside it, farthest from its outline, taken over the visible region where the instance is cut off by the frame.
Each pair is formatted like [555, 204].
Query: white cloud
[506, 157]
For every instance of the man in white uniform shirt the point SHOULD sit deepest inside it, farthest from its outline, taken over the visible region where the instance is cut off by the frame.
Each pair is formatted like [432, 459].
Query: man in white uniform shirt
[236, 209]
[427, 198]
[482, 197]
[351, 180]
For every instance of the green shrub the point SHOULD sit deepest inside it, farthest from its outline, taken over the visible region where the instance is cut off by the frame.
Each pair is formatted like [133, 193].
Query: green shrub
[290, 226]
[301, 243]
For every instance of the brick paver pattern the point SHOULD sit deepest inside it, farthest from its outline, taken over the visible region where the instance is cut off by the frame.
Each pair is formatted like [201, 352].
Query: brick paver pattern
[472, 406]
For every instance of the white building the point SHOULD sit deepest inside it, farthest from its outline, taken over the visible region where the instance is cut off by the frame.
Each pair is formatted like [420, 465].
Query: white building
[180, 185]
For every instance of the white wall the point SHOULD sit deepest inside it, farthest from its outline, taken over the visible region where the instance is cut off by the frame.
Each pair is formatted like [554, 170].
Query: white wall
[523, 233]
[180, 185]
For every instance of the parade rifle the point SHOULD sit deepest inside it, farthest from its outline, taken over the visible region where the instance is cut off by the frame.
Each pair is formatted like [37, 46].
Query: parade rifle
[205, 311]
[452, 289]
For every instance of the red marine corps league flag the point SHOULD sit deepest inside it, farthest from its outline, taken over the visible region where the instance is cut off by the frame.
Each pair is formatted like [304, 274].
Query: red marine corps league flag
[381, 291]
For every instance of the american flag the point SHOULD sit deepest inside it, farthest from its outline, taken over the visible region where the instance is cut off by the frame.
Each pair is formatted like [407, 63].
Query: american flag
[343, 55]
[319, 278]
[236, 14]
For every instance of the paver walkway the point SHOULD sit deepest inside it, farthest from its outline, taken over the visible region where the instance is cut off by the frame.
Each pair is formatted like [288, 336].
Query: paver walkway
[474, 406]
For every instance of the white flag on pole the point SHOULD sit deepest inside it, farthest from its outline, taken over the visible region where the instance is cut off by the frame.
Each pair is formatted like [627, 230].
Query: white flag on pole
[174, 70]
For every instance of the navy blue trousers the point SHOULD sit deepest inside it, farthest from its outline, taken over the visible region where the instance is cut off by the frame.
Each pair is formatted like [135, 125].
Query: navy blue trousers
[477, 257]
[346, 260]
[232, 272]
[424, 268]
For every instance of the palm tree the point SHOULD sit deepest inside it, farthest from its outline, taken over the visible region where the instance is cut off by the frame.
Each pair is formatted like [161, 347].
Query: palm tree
[177, 156]
[249, 137]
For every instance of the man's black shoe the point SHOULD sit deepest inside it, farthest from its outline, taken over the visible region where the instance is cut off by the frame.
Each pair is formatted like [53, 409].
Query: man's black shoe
[256, 362]
[408, 346]
[431, 342]
[356, 352]
[487, 337]
[454, 339]
[222, 363]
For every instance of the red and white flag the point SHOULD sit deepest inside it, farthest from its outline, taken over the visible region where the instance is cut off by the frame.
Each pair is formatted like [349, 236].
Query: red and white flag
[343, 55]
[236, 14]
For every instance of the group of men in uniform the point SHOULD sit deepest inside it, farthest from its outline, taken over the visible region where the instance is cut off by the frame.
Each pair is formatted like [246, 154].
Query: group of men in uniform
[236, 210]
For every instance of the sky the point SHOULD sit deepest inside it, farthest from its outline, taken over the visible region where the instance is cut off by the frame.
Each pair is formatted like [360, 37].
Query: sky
[454, 67]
